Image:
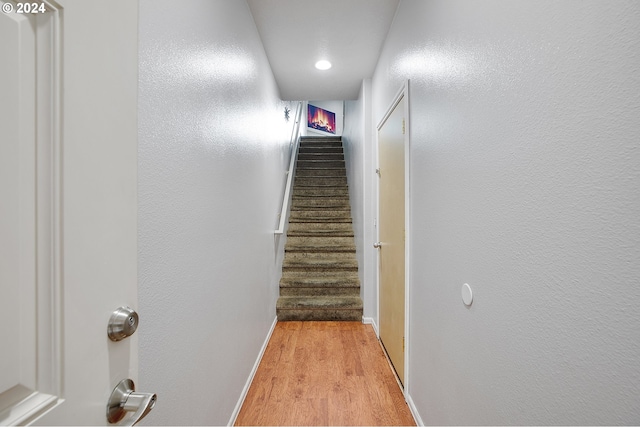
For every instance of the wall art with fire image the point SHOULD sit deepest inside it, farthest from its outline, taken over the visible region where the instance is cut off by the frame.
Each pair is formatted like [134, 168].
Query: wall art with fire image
[321, 119]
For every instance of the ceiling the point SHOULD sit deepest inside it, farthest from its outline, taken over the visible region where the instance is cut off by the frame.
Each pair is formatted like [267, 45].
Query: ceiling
[298, 33]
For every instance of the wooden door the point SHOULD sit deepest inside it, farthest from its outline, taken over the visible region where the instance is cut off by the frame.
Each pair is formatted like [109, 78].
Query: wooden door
[391, 141]
[68, 245]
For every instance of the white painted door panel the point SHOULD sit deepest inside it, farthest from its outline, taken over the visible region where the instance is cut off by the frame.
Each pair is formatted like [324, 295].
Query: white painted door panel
[68, 185]
[19, 391]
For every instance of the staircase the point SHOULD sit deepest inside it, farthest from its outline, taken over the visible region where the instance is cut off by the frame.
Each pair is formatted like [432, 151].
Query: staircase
[320, 270]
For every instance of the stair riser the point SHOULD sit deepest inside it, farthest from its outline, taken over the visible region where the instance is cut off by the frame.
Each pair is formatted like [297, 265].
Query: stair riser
[320, 138]
[337, 258]
[306, 220]
[298, 269]
[320, 147]
[315, 164]
[337, 172]
[293, 263]
[319, 315]
[320, 192]
[319, 181]
[320, 291]
[317, 282]
[311, 292]
[297, 243]
[321, 202]
[320, 156]
[308, 215]
[343, 192]
[319, 216]
[321, 233]
[319, 303]
[309, 149]
[300, 204]
[322, 227]
[322, 249]
[326, 278]
[320, 143]
[346, 233]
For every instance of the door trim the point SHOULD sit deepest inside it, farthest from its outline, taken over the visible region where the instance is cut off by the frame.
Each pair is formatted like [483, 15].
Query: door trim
[401, 96]
[49, 146]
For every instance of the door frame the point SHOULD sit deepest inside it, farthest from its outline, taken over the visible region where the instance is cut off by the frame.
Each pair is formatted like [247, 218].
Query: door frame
[402, 95]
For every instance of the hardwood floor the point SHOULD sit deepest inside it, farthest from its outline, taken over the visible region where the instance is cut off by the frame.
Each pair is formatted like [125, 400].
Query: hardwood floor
[324, 373]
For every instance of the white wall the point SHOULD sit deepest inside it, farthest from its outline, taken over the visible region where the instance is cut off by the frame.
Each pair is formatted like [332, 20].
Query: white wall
[210, 188]
[525, 178]
[359, 160]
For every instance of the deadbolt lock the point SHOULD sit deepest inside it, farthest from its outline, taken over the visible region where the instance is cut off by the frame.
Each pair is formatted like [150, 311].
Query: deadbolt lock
[122, 324]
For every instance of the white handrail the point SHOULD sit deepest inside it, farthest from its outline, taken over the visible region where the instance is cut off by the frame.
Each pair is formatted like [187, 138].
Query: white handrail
[295, 141]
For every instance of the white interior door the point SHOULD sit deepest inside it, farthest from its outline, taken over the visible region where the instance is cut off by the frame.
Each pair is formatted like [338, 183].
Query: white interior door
[68, 185]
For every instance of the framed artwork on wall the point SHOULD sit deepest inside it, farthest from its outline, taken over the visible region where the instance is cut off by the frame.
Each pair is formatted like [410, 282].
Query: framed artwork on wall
[321, 119]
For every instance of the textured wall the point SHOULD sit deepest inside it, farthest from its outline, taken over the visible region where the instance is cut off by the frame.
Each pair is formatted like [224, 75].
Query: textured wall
[359, 162]
[525, 178]
[213, 149]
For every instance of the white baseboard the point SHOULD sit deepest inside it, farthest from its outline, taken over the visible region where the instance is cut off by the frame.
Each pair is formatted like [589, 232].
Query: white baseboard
[370, 321]
[245, 390]
[414, 410]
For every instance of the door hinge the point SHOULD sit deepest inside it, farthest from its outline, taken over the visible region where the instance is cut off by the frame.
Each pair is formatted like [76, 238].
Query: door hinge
[403, 344]
[378, 172]
[403, 126]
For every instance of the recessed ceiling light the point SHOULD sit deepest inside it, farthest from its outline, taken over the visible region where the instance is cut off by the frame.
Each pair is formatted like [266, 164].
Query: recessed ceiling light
[323, 65]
